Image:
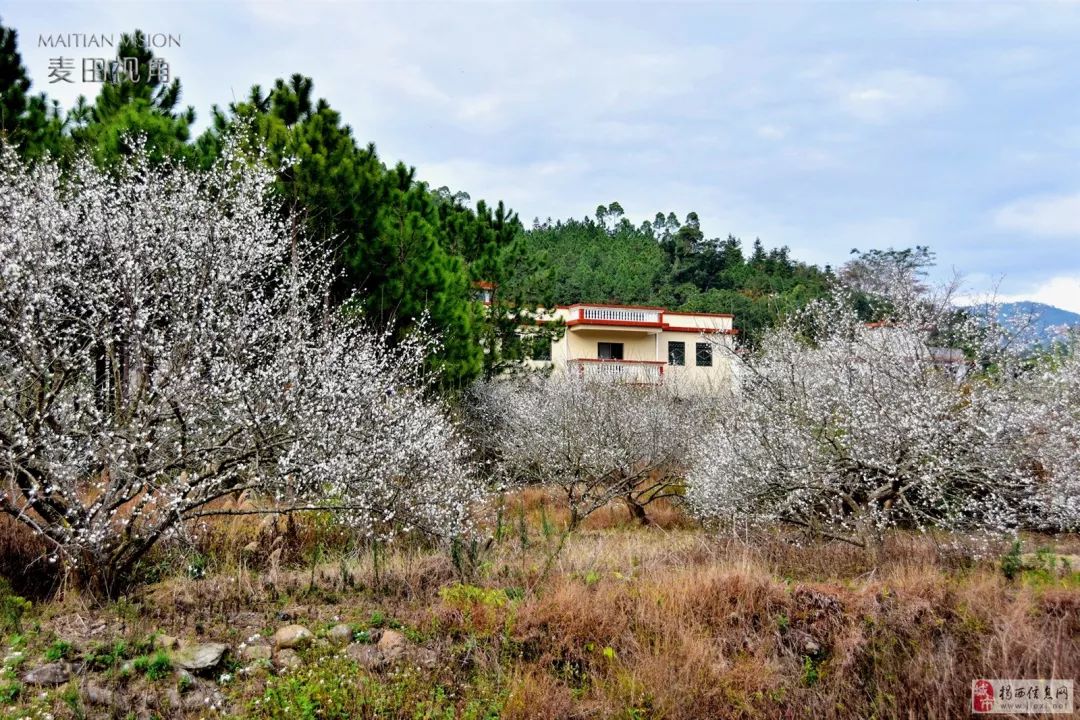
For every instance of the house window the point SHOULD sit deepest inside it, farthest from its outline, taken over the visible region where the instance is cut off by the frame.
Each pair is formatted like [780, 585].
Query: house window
[704, 354]
[676, 353]
[609, 351]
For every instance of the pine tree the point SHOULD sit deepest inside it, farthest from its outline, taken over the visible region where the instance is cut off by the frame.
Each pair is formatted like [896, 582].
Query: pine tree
[405, 251]
[137, 101]
[14, 83]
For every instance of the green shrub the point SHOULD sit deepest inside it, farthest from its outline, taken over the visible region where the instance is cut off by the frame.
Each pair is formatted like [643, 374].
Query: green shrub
[12, 609]
[154, 667]
[466, 596]
[336, 688]
[59, 650]
[9, 692]
[1011, 564]
[105, 657]
[811, 674]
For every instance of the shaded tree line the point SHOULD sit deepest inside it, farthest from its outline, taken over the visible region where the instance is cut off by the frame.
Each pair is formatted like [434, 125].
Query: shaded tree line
[667, 262]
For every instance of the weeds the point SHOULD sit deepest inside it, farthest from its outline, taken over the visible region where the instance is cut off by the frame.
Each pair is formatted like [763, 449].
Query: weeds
[627, 623]
[9, 692]
[12, 609]
[155, 667]
[1011, 564]
[59, 650]
[334, 687]
[102, 656]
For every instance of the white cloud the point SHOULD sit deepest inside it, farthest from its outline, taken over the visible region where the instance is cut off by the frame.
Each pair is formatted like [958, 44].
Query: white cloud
[885, 95]
[765, 124]
[1050, 215]
[771, 132]
[1061, 291]
[533, 189]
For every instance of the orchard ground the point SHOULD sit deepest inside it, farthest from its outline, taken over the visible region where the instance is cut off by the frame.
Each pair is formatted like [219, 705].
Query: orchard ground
[670, 620]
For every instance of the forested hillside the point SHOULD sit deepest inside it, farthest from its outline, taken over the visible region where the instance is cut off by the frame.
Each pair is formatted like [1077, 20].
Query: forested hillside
[665, 262]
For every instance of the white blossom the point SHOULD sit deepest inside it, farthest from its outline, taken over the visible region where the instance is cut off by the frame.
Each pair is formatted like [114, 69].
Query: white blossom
[166, 339]
[597, 440]
[846, 428]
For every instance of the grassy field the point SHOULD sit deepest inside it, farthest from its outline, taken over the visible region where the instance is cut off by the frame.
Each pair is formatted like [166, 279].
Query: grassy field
[614, 621]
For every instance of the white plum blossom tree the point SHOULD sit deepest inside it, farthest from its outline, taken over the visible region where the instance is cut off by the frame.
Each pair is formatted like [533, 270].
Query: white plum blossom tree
[166, 339]
[597, 440]
[847, 429]
[1049, 398]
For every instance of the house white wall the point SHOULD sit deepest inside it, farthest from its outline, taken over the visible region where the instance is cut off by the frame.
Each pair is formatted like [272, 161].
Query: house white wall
[645, 334]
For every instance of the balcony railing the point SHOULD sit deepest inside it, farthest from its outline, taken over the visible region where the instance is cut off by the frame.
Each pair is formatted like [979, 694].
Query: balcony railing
[646, 372]
[608, 314]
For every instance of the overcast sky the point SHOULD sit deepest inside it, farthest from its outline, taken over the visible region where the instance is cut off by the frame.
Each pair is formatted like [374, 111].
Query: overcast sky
[821, 126]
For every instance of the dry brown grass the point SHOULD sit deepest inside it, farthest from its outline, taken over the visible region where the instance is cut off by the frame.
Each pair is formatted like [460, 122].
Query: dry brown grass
[538, 503]
[24, 560]
[733, 640]
[666, 621]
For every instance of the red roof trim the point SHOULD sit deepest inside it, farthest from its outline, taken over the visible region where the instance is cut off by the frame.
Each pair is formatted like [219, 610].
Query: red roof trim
[644, 307]
[647, 325]
[623, 323]
[719, 315]
[603, 305]
[676, 328]
[625, 362]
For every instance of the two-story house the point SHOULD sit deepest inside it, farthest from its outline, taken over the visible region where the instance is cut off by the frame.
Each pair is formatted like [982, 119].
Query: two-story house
[643, 344]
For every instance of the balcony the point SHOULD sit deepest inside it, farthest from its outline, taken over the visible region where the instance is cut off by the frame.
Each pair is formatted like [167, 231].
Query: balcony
[605, 315]
[640, 372]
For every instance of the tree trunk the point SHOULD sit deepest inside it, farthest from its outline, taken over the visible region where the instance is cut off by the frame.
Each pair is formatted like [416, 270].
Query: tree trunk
[637, 511]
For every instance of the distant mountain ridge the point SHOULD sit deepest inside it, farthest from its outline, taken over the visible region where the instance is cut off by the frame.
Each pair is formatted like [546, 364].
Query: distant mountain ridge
[1049, 321]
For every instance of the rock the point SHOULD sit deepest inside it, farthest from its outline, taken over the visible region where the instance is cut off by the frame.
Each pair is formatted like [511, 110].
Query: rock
[289, 613]
[340, 634]
[203, 699]
[184, 679]
[287, 660]
[253, 653]
[173, 700]
[53, 674]
[425, 658]
[366, 656]
[93, 694]
[291, 636]
[805, 643]
[246, 619]
[203, 656]
[392, 645]
[166, 642]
